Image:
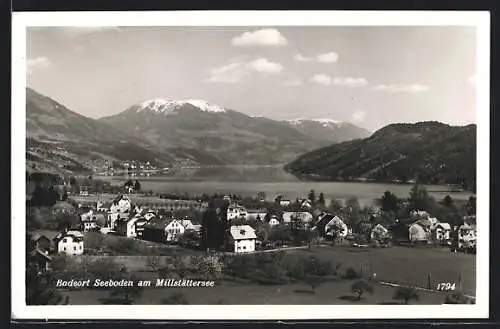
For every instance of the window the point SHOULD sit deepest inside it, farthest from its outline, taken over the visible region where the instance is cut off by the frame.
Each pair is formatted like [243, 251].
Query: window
[81, 247]
[65, 240]
[64, 249]
[244, 247]
[74, 248]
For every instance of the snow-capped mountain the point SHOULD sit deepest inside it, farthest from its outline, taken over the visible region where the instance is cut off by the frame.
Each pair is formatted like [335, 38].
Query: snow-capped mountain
[328, 129]
[231, 136]
[163, 105]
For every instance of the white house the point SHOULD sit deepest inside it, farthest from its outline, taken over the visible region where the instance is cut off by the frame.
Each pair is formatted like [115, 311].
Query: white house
[420, 231]
[89, 221]
[236, 212]
[378, 231]
[174, 229]
[466, 235]
[442, 232]
[149, 215]
[305, 204]
[327, 224]
[70, 243]
[188, 225]
[100, 206]
[121, 204]
[273, 220]
[243, 238]
[285, 202]
[127, 226]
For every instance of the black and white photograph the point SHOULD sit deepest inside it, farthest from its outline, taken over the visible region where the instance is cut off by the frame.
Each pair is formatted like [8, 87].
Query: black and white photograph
[266, 165]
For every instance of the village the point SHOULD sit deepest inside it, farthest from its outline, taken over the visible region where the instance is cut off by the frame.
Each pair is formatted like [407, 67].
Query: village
[281, 224]
[81, 227]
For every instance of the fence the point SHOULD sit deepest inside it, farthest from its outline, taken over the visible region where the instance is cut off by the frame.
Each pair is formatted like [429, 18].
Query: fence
[447, 281]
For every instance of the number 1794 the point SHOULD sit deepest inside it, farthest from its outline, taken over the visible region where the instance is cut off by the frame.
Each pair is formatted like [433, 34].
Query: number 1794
[445, 286]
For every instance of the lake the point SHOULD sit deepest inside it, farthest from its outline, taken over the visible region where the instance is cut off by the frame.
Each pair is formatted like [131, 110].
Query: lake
[272, 180]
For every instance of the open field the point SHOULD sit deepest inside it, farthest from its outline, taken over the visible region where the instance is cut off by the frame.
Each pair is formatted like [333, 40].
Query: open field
[406, 265]
[331, 293]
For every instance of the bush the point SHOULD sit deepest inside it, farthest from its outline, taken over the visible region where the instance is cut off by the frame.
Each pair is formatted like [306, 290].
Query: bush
[351, 274]
[406, 294]
[360, 287]
[457, 297]
[360, 239]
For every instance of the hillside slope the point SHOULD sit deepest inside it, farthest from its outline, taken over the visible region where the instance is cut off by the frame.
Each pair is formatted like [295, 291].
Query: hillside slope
[59, 139]
[429, 152]
[231, 136]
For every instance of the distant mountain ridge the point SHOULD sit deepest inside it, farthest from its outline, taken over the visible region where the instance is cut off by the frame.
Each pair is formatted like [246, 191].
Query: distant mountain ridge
[231, 136]
[428, 152]
[167, 132]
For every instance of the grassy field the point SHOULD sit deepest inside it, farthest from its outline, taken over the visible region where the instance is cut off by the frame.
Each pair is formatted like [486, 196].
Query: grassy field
[397, 264]
[230, 293]
[405, 265]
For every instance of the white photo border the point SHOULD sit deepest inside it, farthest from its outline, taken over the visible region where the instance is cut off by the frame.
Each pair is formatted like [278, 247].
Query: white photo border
[22, 20]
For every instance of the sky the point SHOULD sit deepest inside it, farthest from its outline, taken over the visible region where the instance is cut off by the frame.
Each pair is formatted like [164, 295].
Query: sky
[370, 76]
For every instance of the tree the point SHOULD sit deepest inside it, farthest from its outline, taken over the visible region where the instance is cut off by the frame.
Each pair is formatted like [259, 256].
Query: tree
[210, 228]
[419, 199]
[335, 206]
[389, 202]
[470, 207]
[177, 298]
[312, 197]
[261, 196]
[137, 186]
[314, 281]
[360, 287]
[321, 199]
[447, 201]
[39, 284]
[406, 294]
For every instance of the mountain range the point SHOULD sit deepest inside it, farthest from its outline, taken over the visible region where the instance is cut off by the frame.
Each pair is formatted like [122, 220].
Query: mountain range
[426, 152]
[168, 132]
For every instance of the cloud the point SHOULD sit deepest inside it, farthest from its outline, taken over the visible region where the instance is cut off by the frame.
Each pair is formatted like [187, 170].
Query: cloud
[326, 80]
[230, 73]
[39, 62]
[264, 66]
[358, 116]
[292, 82]
[473, 79]
[237, 71]
[328, 58]
[321, 79]
[263, 37]
[415, 88]
[349, 82]
[82, 30]
[300, 58]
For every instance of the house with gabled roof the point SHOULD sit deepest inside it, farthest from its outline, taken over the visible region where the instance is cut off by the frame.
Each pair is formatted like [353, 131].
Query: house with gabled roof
[330, 225]
[163, 230]
[242, 238]
[442, 232]
[70, 242]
